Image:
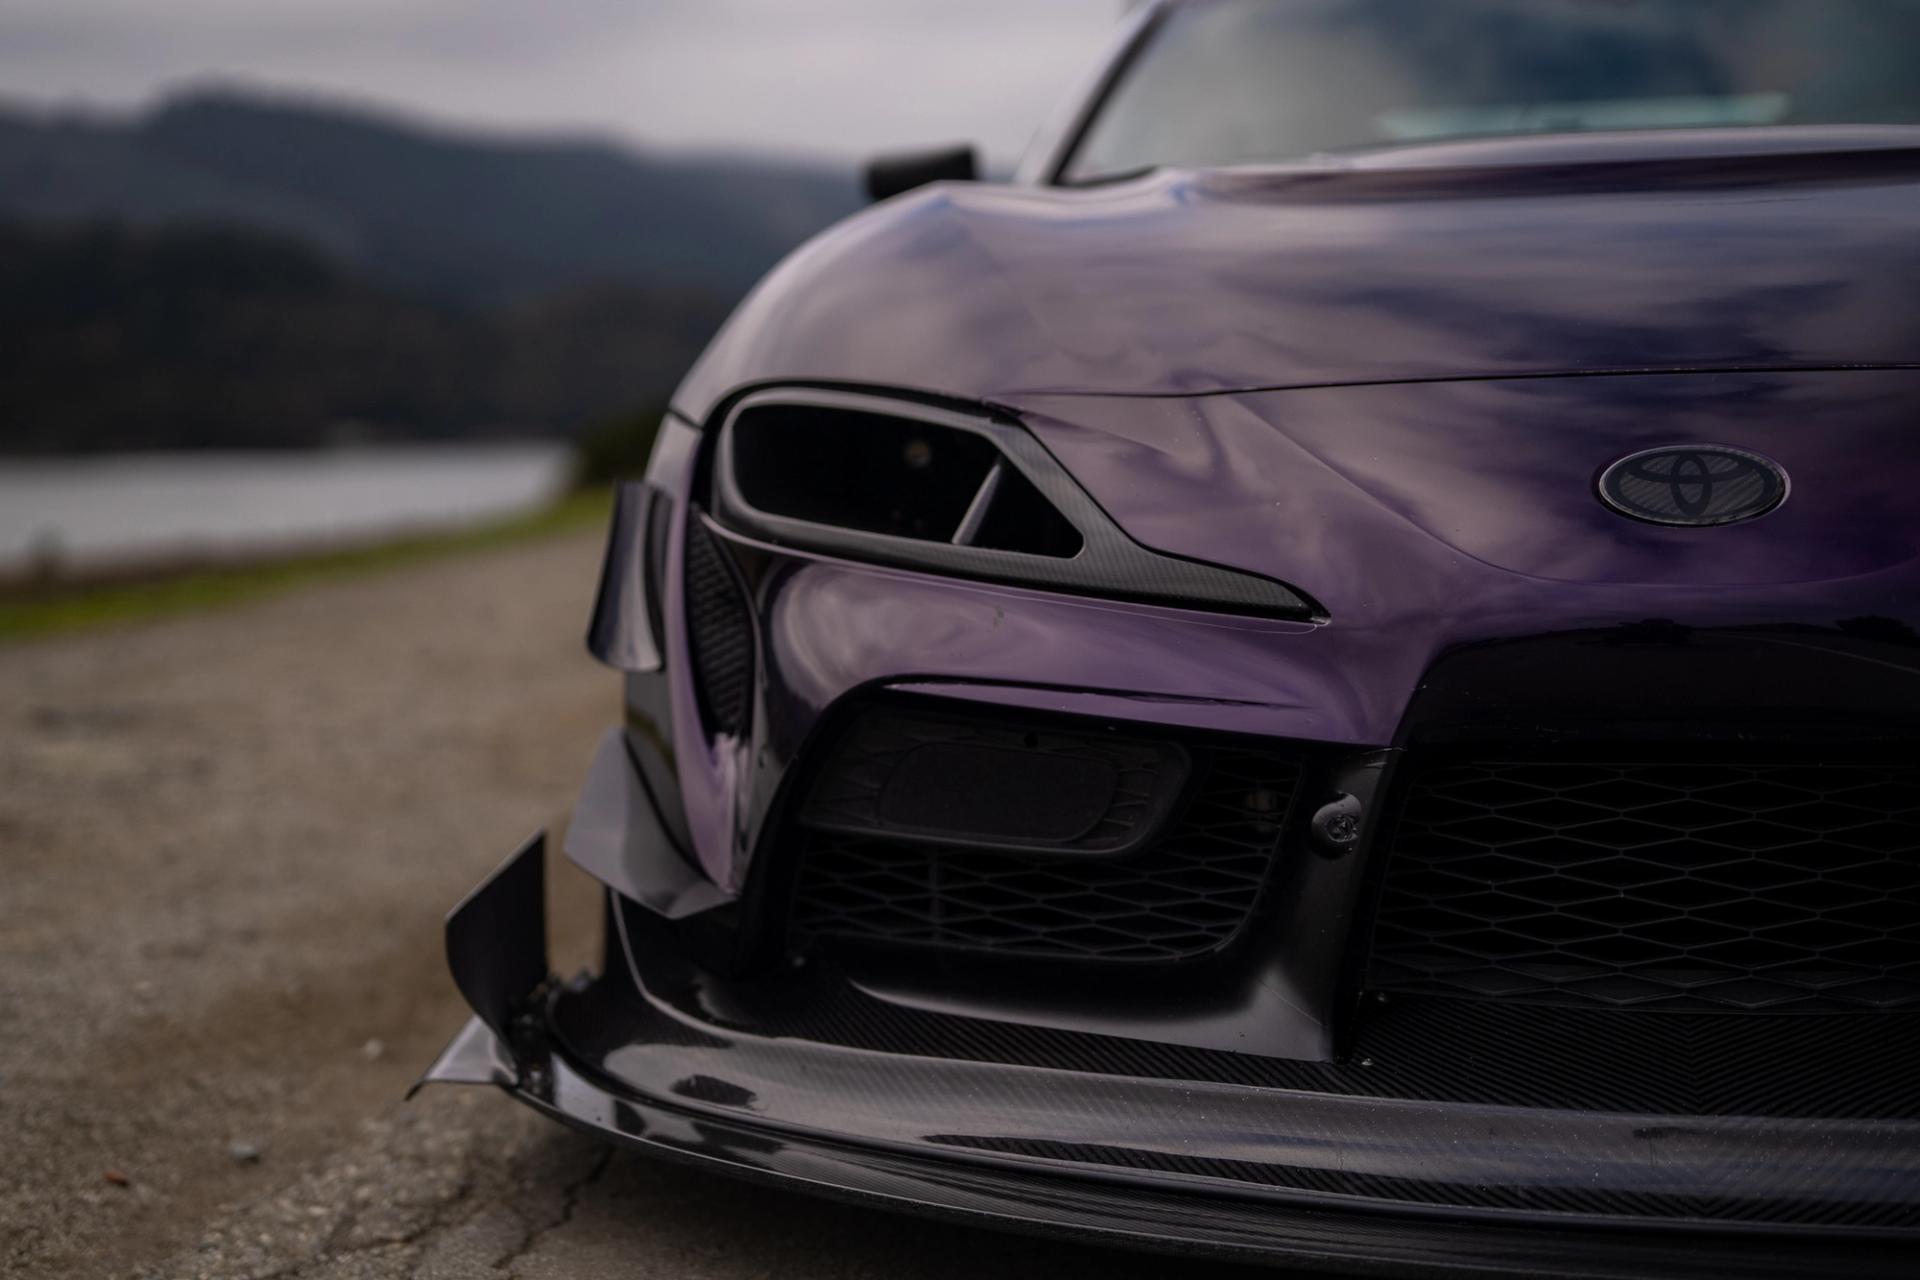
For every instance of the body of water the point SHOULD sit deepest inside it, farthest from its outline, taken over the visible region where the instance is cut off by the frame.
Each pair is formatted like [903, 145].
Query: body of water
[128, 509]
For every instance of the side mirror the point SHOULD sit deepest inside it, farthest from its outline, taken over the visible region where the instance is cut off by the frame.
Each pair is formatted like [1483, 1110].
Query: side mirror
[889, 176]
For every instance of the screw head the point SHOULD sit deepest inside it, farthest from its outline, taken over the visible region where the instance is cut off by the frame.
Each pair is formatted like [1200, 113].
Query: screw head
[1337, 825]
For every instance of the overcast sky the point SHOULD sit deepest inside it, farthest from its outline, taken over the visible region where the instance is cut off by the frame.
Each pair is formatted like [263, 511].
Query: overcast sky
[831, 76]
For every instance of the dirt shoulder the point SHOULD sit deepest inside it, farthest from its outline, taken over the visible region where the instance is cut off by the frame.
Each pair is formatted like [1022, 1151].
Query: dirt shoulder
[227, 841]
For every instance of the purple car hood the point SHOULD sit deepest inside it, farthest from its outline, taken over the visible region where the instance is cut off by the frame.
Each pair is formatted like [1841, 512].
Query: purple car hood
[1749, 249]
[1367, 497]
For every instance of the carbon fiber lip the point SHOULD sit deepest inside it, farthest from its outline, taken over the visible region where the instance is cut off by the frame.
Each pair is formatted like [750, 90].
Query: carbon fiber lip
[1127, 1211]
[1143, 1213]
[1587, 1169]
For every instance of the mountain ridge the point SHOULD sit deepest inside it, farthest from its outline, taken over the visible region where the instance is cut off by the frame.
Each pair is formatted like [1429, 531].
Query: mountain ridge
[463, 217]
[229, 270]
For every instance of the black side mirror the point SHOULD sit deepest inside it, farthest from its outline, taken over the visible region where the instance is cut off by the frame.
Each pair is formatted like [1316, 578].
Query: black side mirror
[889, 176]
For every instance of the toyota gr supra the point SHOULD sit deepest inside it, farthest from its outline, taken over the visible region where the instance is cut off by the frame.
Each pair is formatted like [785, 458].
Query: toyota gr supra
[1328, 674]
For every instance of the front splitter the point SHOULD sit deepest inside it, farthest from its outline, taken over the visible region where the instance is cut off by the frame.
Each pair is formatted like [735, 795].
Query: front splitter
[1136, 1213]
[1339, 1183]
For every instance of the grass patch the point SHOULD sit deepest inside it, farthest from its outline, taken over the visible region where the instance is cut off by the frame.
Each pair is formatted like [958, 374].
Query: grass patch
[32, 610]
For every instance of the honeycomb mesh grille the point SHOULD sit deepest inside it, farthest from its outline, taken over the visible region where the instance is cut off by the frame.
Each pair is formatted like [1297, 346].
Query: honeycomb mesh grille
[1188, 895]
[1774, 885]
[720, 634]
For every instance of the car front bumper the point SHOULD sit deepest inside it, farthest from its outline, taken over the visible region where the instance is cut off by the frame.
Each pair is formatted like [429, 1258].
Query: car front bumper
[657, 1055]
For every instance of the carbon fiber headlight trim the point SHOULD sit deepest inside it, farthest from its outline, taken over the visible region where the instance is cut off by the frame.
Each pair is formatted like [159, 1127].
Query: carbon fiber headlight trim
[1110, 564]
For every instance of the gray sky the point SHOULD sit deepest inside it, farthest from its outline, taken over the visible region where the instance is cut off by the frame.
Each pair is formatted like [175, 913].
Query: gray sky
[834, 76]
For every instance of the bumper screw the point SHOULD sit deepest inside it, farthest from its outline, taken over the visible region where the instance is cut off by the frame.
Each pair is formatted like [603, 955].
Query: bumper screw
[1336, 826]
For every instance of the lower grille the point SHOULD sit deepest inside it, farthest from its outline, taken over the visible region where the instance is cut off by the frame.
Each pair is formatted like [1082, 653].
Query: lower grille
[1189, 893]
[1788, 885]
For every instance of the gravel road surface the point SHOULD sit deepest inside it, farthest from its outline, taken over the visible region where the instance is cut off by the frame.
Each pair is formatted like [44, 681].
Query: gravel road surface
[227, 842]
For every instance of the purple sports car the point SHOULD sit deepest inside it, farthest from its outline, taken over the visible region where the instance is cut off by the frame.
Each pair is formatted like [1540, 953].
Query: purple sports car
[1329, 674]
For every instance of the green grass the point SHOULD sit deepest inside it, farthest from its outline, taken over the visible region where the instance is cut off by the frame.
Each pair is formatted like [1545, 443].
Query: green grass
[38, 610]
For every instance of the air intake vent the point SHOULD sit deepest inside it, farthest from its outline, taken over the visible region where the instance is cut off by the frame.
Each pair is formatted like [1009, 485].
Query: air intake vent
[958, 781]
[1126, 885]
[966, 494]
[720, 633]
[897, 477]
[1009, 514]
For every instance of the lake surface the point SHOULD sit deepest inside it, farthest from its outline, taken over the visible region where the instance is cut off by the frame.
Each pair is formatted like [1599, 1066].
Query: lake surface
[98, 512]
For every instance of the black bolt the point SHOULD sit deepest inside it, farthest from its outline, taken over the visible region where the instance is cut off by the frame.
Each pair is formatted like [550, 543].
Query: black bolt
[1336, 827]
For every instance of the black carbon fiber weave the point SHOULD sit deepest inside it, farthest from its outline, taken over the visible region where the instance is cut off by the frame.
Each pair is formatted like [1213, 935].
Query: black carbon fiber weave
[1138, 1213]
[1824, 1067]
[1796, 1209]
[1772, 1175]
[720, 631]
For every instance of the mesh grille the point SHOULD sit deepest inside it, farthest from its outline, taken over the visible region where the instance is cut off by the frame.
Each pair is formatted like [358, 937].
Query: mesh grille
[720, 634]
[1188, 895]
[1752, 885]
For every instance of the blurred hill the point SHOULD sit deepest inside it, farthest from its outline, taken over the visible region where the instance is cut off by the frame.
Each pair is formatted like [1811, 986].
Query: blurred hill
[458, 218]
[120, 338]
[236, 271]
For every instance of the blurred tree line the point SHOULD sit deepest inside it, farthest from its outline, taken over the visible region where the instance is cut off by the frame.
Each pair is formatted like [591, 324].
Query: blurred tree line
[227, 269]
[120, 338]
[618, 446]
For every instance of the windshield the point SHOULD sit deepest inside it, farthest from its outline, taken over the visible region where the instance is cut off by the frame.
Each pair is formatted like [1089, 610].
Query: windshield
[1224, 82]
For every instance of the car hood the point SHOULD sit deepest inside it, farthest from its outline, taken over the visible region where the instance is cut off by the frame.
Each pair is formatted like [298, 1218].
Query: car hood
[1367, 496]
[1766, 249]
